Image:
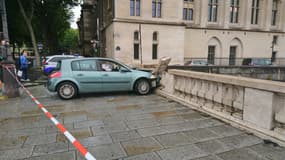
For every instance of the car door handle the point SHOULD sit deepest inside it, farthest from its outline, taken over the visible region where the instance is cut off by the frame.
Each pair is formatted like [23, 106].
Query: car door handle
[105, 75]
[79, 75]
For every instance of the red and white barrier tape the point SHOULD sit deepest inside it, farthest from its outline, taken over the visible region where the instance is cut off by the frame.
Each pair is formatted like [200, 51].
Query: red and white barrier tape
[62, 129]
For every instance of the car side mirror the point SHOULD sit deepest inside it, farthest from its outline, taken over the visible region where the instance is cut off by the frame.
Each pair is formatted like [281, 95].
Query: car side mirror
[124, 70]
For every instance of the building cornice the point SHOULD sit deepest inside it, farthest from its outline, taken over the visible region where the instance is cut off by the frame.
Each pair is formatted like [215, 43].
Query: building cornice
[188, 26]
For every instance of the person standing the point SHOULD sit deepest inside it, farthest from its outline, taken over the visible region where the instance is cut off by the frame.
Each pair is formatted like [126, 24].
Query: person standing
[24, 66]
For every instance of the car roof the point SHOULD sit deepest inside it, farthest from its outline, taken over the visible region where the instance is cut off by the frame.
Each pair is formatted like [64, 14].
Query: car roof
[93, 58]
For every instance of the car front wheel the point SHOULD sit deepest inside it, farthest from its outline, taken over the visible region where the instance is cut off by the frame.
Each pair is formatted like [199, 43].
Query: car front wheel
[142, 87]
[67, 90]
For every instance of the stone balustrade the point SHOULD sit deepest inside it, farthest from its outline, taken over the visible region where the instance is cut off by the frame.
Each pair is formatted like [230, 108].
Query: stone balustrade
[252, 104]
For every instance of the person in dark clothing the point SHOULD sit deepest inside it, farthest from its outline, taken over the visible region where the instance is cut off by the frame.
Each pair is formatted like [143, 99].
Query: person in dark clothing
[24, 66]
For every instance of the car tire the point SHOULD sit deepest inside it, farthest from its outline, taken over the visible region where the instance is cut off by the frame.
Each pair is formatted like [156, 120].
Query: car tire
[142, 87]
[66, 90]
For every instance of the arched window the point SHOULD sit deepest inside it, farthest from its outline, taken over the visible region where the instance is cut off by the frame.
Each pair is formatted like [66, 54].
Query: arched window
[235, 51]
[214, 50]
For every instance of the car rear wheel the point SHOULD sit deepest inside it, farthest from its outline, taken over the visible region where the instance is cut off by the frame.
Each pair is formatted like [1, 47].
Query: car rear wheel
[67, 90]
[142, 87]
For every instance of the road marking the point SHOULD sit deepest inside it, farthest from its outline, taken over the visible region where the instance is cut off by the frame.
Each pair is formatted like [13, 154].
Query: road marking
[60, 127]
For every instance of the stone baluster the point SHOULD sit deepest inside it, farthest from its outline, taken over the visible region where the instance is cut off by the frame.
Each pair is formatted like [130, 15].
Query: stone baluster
[218, 97]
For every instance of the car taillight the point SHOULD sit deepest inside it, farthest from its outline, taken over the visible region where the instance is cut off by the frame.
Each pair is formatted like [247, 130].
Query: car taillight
[55, 75]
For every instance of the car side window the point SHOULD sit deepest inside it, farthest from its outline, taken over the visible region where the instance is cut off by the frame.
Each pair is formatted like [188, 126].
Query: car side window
[84, 65]
[108, 66]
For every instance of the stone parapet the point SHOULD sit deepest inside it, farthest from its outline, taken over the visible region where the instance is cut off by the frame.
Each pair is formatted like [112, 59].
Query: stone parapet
[253, 104]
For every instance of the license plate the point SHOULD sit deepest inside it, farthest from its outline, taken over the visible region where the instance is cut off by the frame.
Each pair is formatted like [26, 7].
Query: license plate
[153, 83]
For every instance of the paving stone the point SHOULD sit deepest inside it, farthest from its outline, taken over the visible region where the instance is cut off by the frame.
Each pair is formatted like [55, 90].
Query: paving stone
[77, 133]
[53, 129]
[95, 141]
[20, 153]
[182, 153]
[151, 131]
[173, 139]
[163, 114]
[140, 146]
[58, 156]
[109, 127]
[139, 116]
[105, 152]
[41, 139]
[208, 158]
[19, 123]
[12, 142]
[225, 130]
[203, 134]
[27, 132]
[240, 154]
[146, 156]
[124, 136]
[170, 120]
[185, 111]
[76, 116]
[84, 124]
[142, 123]
[213, 146]
[193, 116]
[239, 141]
[50, 148]
[269, 151]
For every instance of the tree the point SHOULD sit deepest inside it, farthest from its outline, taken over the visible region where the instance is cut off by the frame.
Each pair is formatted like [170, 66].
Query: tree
[70, 40]
[40, 20]
[28, 20]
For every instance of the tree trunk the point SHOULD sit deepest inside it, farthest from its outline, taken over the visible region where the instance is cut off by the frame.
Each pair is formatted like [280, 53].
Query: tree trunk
[31, 30]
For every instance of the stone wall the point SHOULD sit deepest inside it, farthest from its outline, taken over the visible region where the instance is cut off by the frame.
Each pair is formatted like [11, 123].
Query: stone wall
[275, 73]
[251, 104]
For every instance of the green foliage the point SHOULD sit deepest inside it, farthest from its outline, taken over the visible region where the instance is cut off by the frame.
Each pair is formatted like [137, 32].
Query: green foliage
[69, 41]
[50, 21]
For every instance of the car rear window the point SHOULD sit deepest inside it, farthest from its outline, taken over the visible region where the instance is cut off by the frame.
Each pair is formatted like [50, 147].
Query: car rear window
[58, 66]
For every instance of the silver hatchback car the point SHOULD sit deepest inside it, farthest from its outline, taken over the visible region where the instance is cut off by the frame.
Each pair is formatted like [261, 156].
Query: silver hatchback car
[86, 75]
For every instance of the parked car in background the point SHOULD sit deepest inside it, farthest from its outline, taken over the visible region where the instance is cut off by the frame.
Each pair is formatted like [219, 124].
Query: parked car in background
[85, 75]
[50, 62]
[257, 61]
[196, 63]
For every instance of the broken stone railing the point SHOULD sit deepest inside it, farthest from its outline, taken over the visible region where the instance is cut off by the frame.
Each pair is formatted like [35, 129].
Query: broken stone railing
[250, 104]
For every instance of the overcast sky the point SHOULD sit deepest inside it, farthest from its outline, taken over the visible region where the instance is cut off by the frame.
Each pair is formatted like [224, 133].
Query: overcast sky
[76, 11]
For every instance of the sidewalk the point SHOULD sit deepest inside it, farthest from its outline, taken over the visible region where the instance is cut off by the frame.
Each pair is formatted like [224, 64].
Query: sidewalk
[122, 126]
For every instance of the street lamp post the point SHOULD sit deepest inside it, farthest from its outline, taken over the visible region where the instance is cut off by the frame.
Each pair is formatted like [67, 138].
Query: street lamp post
[10, 87]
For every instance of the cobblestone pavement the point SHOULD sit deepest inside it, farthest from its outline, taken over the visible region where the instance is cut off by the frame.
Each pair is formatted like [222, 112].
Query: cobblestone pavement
[122, 126]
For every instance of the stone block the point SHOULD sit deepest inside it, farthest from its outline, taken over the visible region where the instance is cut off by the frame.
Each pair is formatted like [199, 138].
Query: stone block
[174, 139]
[146, 156]
[141, 145]
[105, 152]
[183, 152]
[258, 108]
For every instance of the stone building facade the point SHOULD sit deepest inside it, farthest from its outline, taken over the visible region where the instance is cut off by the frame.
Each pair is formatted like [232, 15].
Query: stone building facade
[142, 31]
[86, 24]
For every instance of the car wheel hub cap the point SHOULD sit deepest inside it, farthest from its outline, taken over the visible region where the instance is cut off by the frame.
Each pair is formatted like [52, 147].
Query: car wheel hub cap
[67, 90]
[144, 87]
